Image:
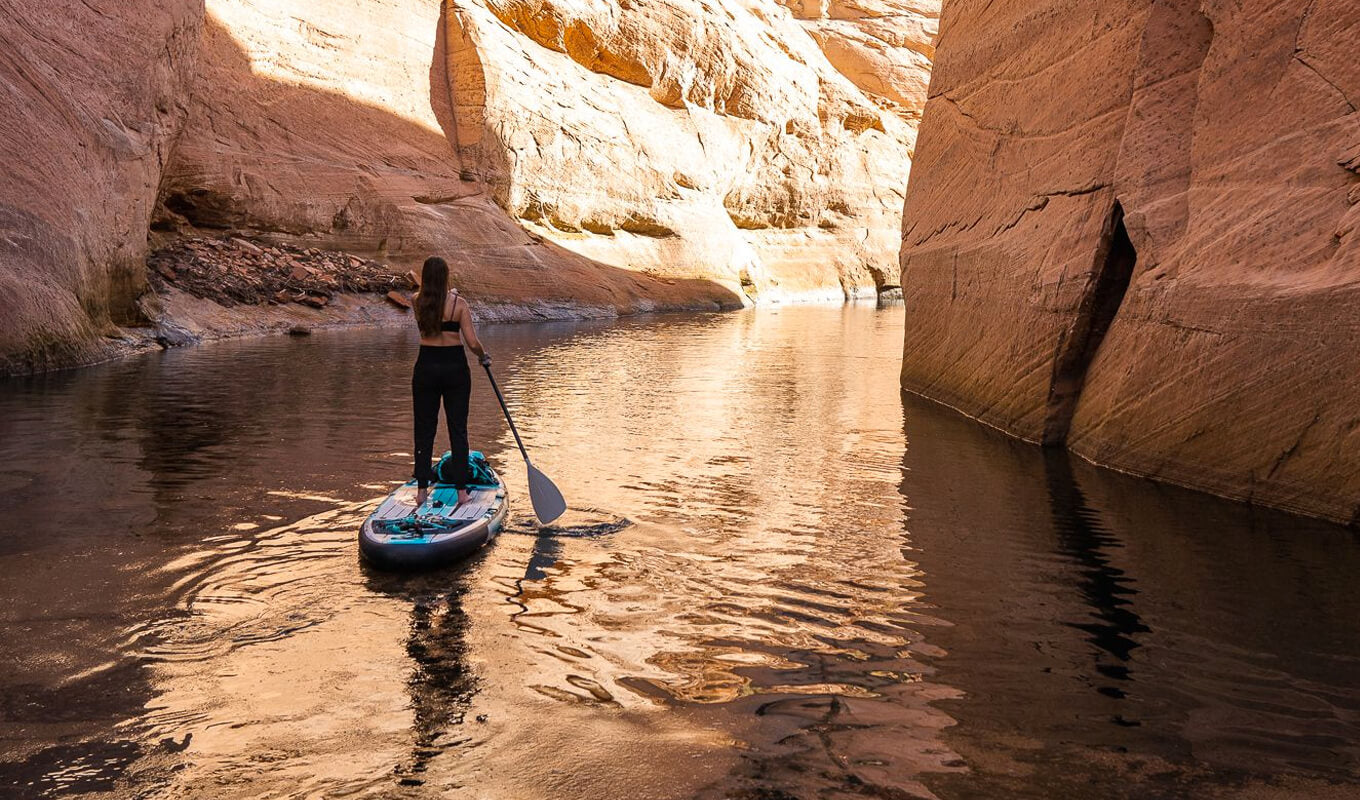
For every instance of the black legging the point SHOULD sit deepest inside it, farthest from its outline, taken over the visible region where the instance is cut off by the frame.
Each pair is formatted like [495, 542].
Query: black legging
[441, 373]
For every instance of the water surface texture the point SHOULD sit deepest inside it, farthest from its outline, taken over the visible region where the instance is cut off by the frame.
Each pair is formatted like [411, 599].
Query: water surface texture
[779, 579]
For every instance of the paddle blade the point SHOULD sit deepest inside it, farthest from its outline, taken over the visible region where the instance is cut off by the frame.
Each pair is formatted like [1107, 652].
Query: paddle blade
[543, 493]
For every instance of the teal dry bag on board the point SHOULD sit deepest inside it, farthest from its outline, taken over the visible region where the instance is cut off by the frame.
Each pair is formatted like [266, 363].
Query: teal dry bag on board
[478, 474]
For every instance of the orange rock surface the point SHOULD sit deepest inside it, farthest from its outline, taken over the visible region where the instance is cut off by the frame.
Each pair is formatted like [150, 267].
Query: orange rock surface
[1132, 229]
[91, 97]
[734, 141]
[566, 156]
[324, 124]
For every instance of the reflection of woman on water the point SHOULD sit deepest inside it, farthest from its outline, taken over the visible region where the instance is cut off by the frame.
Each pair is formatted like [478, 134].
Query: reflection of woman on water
[441, 373]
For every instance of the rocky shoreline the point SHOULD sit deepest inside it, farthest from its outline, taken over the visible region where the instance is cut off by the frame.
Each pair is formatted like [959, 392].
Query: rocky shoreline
[205, 288]
[234, 271]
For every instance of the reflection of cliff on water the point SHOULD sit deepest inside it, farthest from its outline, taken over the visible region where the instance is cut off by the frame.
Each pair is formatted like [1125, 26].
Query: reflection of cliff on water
[1083, 538]
[1231, 663]
[758, 456]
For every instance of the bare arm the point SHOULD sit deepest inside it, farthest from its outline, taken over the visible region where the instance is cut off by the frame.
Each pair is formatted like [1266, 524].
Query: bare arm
[468, 328]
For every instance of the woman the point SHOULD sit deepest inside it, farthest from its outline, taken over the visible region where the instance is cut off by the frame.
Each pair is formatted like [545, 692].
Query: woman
[441, 373]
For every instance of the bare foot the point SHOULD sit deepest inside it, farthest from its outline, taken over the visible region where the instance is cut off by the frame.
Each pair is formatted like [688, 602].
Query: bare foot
[463, 496]
[421, 496]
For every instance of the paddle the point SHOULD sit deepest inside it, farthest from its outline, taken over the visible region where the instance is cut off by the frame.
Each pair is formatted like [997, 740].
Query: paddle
[543, 494]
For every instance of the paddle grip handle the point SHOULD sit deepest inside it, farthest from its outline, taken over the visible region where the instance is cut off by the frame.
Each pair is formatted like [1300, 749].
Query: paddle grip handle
[506, 410]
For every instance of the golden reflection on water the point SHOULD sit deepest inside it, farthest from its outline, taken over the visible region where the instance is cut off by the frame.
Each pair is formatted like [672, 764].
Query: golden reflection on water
[740, 602]
[758, 457]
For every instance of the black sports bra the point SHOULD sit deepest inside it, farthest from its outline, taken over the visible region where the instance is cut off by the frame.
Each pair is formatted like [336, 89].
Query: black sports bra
[451, 325]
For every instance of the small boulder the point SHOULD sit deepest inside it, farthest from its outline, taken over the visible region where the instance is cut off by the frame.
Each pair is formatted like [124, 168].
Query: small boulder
[168, 335]
[249, 247]
[398, 299]
[315, 300]
[299, 330]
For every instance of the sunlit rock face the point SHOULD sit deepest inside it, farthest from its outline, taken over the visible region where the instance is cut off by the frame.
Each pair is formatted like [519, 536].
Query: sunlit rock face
[567, 157]
[743, 141]
[325, 124]
[1207, 155]
[91, 96]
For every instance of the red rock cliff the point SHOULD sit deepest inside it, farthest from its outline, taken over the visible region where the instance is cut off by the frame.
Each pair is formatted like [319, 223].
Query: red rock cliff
[567, 156]
[91, 97]
[1132, 228]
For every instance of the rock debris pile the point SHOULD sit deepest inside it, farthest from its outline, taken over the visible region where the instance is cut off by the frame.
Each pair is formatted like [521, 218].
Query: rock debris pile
[231, 271]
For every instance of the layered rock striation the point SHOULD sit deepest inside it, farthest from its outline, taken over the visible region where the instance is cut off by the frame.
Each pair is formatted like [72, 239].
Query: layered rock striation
[92, 96]
[566, 156]
[1132, 230]
[735, 140]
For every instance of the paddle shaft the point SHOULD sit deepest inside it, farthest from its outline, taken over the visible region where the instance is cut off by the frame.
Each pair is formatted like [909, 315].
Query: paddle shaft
[506, 410]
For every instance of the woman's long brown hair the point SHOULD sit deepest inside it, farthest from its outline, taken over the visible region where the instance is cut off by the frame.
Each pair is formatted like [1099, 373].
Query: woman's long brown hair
[434, 287]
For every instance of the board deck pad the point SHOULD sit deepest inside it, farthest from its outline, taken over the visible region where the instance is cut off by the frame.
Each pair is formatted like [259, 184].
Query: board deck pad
[441, 508]
[398, 535]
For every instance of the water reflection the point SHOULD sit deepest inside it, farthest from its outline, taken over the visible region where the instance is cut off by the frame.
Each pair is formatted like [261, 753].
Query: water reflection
[1085, 539]
[780, 578]
[547, 549]
[1115, 638]
[441, 683]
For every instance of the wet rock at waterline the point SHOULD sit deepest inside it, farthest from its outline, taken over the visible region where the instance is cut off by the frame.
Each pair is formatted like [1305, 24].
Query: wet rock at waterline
[706, 155]
[1131, 228]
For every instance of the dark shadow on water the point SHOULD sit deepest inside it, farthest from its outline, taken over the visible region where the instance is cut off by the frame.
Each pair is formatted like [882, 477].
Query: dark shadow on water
[1084, 538]
[74, 767]
[441, 685]
[1228, 663]
[69, 769]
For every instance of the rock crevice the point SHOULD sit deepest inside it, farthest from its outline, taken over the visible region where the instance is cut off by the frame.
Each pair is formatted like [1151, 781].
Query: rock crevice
[1235, 333]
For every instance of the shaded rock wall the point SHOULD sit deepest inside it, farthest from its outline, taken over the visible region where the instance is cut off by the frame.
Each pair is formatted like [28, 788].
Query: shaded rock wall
[91, 95]
[1131, 229]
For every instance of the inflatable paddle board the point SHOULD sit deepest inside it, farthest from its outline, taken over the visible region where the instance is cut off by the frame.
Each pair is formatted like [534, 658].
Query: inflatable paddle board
[398, 535]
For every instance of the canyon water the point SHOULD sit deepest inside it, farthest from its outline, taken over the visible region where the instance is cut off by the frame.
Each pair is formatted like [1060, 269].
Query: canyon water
[779, 578]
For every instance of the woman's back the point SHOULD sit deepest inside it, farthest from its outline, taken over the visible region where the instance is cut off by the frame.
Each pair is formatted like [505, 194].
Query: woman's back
[450, 328]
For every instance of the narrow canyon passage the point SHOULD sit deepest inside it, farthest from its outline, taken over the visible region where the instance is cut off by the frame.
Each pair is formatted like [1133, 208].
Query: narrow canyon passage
[779, 578]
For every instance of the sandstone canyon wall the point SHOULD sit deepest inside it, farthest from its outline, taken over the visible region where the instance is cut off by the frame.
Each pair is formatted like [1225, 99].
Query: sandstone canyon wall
[567, 156]
[91, 96]
[323, 124]
[734, 140]
[1132, 229]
